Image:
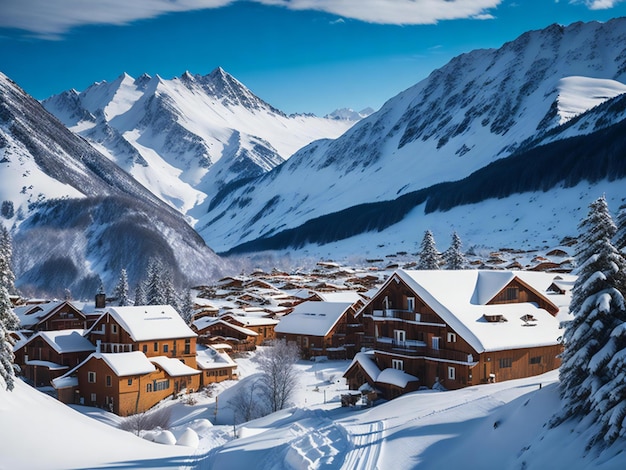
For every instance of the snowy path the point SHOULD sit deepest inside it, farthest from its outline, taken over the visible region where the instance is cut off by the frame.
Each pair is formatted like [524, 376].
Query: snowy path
[365, 442]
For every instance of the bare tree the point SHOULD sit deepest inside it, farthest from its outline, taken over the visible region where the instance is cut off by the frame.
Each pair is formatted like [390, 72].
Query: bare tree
[147, 421]
[247, 403]
[279, 379]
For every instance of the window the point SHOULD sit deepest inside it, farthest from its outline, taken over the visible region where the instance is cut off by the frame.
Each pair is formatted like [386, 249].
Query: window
[435, 342]
[93, 397]
[451, 373]
[187, 346]
[410, 304]
[91, 377]
[109, 382]
[506, 362]
[161, 385]
[451, 337]
[145, 348]
[148, 387]
[397, 364]
[535, 360]
[166, 348]
[130, 381]
[156, 346]
[114, 329]
[399, 336]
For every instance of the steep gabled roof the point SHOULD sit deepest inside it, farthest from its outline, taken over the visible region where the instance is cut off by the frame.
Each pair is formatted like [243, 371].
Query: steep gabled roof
[459, 299]
[64, 341]
[313, 318]
[31, 315]
[151, 322]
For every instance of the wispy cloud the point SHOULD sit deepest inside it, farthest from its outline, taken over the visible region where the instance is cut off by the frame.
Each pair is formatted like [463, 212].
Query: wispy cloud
[598, 4]
[395, 11]
[52, 18]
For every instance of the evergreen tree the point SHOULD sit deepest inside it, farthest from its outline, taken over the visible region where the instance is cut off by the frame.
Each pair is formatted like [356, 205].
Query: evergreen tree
[7, 278]
[454, 257]
[592, 338]
[8, 320]
[140, 294]
[429, 257]
[620, 236]
[121, 289]
[186, 307]
[155, 294]
[169, 293]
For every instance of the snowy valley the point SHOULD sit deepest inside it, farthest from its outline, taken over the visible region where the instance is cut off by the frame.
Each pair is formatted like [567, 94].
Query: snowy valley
[507, 148]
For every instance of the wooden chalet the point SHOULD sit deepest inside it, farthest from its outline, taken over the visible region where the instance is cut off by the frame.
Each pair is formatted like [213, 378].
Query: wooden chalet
[48, 316]
[262, 326]
[320, 328]
[155, 330]
[212, 330]
[453, 329]
[143, 354]
[49, 354]
[216, 366]
[125, 383]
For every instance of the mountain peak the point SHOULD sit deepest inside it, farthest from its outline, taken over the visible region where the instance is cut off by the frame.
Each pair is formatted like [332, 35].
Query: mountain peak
[231, 92]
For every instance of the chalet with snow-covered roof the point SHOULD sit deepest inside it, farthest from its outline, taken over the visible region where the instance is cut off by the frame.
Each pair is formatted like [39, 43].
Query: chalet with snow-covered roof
[155, 330]
[125, 382]
[49, 354]
[453, 329]
[216, 366]
[215, 330]
[263, 326]
[47, 316]
[319, 328]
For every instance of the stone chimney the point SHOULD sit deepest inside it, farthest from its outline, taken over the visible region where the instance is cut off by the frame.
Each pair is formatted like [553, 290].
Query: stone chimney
[101, 300]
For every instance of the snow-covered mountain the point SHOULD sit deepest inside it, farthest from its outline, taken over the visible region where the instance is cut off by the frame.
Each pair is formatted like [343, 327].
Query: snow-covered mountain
[76, 217]
[483, 107]
[349, 114]
[187, 138]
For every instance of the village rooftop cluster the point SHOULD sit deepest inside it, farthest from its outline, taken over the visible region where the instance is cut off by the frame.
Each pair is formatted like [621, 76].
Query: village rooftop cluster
[403, 330]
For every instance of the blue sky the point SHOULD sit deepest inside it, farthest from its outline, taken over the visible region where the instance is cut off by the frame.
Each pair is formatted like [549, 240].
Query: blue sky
[298, 55]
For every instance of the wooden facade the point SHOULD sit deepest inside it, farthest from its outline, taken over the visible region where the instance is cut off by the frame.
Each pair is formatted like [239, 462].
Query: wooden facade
[112, 337]
[100, 386]
[408, 334]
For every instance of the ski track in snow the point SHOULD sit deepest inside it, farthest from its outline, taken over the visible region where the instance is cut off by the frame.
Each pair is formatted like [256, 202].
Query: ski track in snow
[366, 442]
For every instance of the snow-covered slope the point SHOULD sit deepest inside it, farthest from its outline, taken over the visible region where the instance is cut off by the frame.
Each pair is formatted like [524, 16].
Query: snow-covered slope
[186, 138]
[481, 107]
[76, 218]
[493, 426]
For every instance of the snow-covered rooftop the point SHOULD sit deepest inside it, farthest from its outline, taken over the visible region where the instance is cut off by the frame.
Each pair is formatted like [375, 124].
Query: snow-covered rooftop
[173, 367]
[459, 298]
[312, 318]
[65, 341]
[211, 358]
[150, 322]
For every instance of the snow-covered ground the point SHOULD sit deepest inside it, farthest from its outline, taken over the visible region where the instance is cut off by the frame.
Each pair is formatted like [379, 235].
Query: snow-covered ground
[496, 426]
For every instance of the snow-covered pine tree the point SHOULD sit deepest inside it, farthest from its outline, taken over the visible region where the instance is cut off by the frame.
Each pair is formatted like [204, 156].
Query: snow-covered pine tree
[429, 257]
[7, 278]
[140, 294]
[186, 307]
[598, 310]
[121, 289]
[8, 320]
[454, 257]
[620, 235]
[169, 293]
[155, 294]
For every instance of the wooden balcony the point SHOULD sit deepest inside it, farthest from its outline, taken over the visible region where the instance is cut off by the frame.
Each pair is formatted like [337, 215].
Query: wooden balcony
[405, 315]
[420, 349]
